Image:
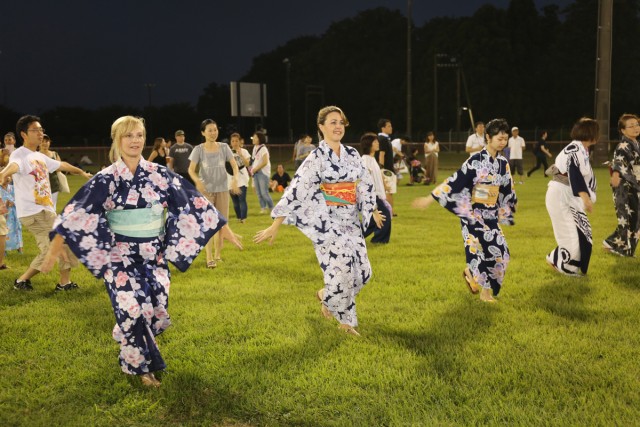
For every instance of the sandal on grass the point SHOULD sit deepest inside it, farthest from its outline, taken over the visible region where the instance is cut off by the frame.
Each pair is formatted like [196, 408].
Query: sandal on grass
[4, 267]
[149, 380]
[348, 329]
[471, 284]
[211, 264]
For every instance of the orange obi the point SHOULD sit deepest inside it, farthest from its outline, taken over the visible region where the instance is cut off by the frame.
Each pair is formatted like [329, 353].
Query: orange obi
[487, 194]
[339, 194]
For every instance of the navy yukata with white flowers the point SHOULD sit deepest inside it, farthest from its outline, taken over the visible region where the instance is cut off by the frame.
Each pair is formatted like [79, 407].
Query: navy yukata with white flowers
[484, 243]
[135, 270]
[336, 231]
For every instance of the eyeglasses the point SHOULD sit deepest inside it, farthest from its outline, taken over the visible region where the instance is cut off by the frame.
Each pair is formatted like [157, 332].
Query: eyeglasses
[40, 130]
[633, 126]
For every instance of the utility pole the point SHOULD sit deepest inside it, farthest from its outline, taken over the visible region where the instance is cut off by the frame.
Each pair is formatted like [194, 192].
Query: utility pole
[603, 78]
[409, 85]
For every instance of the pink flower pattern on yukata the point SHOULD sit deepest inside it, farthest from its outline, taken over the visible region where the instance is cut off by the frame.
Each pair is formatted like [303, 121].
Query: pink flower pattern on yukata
[135, 270]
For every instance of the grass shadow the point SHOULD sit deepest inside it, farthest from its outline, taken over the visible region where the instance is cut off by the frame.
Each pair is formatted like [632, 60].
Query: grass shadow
[443, 341]
[564, 297]
[624, 272]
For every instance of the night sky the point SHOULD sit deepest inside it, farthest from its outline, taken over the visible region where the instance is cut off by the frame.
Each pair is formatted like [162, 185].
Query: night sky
[95, 53]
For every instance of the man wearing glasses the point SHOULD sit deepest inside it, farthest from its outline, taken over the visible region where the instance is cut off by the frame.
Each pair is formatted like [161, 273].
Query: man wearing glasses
[34, 205]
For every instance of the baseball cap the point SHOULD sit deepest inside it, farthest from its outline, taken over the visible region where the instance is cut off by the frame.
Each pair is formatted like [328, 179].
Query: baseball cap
[179, 132]
[514, 128]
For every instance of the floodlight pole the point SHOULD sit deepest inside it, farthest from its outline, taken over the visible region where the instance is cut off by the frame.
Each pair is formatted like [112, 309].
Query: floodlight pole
[603, 78]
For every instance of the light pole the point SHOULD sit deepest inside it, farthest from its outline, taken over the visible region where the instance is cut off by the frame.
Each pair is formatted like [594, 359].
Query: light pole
[287, 64]
[409, 85]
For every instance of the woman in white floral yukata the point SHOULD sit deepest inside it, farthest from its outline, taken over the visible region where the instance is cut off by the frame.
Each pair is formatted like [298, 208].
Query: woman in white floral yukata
[329, 192]
[124, 225]
[481, 194]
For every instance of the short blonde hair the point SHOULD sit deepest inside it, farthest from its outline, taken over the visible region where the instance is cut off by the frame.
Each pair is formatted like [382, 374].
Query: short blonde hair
[119, 128]
[324, 112]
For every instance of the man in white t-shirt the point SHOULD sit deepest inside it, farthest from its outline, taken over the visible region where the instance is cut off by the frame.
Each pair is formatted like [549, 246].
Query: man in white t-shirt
[34, 205]
[516, 147]
[476, 141]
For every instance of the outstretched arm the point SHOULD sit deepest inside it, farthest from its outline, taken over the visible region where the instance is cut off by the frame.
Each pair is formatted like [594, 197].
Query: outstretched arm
[66, 167]
[269, 233]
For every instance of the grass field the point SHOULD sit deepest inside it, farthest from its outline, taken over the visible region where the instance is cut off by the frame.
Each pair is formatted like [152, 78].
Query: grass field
[249, 346]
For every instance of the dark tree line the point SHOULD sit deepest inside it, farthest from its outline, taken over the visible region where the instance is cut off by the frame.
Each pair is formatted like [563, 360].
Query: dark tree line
[534, 67]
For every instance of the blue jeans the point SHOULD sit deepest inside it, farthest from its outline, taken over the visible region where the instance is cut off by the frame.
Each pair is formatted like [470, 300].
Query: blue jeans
[240, 203]
[261, 182]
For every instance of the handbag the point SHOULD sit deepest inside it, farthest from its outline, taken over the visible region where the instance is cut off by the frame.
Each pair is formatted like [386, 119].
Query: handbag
[64, 184]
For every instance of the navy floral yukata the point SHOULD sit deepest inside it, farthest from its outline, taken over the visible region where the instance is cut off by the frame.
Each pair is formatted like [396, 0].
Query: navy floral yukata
[135, 270]
[335, 231]
[485, 246]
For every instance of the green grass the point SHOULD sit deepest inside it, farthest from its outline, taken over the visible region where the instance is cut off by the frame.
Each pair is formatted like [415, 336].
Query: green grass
[249, 346]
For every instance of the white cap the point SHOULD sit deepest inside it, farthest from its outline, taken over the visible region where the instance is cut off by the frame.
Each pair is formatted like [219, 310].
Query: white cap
[514, 128]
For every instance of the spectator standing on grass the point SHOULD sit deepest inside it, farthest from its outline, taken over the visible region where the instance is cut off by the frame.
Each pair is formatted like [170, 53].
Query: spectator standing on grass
[625, 183]
[570, 195]
[481, 193]
[385, 159]
[209, 159]
[516, 147]
[125, 225]
[261, 170]
[54, 181]
[159, 152]
[431, 151]
[13, 240]
[541, 152]
[330, 200]
[476, 141]
[369, 144]
[243, 160]
[30, 172]
[279, 180]
[8, 148]
[179, 153]
[304, 148]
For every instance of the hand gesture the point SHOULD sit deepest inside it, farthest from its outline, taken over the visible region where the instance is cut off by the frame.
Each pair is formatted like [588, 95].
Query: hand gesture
[378, 218]
[227, 234]
[269, 233]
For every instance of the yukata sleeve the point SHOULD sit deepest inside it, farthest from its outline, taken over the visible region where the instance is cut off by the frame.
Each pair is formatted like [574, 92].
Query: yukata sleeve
[302, 203]
[454, 194]
[191, 222]
[623, 164]
[576, 179]
[507, 200]
[366, 196]
[84, 227]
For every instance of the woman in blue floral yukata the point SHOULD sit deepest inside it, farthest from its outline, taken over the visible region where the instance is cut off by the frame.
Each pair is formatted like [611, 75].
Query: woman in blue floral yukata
[329, 193]
[481, 194]
[124, 225]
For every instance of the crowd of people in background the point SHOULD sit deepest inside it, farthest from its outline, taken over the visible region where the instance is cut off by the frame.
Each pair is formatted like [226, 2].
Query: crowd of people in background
[334, 194]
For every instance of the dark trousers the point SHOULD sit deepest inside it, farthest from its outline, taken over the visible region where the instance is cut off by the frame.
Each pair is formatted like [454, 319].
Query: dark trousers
[540, 160]
[240, 203]
[380, 235]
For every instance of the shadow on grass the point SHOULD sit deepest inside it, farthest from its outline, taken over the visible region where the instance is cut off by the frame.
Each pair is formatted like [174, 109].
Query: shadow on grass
[564, 297]
[444, 341]
[625, 273]
[235, 391]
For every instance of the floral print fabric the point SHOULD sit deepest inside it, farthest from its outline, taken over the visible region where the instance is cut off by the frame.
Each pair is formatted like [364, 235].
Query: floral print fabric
[335, 231]
[135, 270]
[485, 245]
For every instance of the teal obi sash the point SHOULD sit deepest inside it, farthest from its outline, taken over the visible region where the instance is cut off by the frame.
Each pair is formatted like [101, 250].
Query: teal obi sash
[141, 222]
